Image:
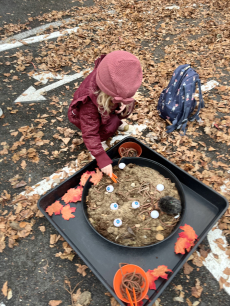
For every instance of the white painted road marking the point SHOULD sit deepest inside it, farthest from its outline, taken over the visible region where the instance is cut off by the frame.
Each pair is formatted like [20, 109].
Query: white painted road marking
[31, 94]
[217, 265]
[44, 77]
[209, 85]
[35, 31]
[36, 39]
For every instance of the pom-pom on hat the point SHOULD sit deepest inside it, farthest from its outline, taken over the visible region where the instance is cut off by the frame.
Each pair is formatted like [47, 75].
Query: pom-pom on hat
[119, 75]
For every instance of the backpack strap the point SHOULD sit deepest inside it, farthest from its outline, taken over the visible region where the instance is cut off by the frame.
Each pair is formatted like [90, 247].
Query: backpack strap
[172, 127]
[201, 102]
[184, 118]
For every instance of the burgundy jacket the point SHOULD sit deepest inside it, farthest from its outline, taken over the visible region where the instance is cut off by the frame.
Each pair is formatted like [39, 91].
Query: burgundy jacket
[83, 112]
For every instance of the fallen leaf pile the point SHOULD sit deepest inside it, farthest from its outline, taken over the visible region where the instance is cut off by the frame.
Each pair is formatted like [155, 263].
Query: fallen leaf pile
[186, 239]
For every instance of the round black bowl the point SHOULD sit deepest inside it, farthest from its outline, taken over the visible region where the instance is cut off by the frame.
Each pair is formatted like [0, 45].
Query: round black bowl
[143, 162]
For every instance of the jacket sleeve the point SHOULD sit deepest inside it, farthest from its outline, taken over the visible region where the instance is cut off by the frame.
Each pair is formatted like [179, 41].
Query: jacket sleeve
[90, 124]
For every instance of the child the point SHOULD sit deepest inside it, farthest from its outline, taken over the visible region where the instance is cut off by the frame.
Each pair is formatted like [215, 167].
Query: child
[103, 99]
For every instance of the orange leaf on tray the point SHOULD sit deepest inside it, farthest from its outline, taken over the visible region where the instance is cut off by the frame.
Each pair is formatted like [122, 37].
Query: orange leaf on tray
[96, 177]
[160, 271]
[188, 233]
[181, 245]
[151, 280]
[186, 239]
[54, 208]
[67, 212]
[85, 177]
[73, 195]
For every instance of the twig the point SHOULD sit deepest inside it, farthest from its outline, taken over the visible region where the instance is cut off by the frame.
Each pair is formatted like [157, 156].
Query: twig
[34, 65]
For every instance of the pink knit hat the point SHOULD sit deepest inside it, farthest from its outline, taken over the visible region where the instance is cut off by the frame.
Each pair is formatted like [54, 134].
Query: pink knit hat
[119, 75]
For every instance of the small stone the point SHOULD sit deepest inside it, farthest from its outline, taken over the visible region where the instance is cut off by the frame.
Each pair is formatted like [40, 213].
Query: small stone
[160, 228]
[122, 165]
[137, 225]
[154, 214]
[159, 237]
[133, 185]
[160, 187]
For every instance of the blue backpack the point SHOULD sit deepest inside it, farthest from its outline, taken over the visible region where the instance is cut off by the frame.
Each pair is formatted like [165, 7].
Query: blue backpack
[177, 102]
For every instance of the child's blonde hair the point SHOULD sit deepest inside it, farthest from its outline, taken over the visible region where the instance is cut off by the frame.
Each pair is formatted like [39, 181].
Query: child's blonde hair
[105, 104]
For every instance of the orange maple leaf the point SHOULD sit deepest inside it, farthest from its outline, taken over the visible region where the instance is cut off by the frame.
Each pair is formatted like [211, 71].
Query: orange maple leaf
[50, 210]
[67, 212]
[54, 208]
[151, 280]
[160, 271]
[85, 177]
[188, 233]
[73, 195]
[57, 207]
[96, 177]
[181, 245]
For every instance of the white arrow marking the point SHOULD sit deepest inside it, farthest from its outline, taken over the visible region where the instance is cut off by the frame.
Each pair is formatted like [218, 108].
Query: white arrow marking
[31, 94]
[209, 85]
[37, 30]
[44, 76]
[36, 39]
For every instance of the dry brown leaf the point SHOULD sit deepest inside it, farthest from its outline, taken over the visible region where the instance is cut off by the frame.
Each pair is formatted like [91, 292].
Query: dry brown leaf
[76, 295]
[23, 164]
[20, 184]
[54, 302]
[5, 289]
[222, 281]
[197, 290]
[9, 294]
[203, 253]
[81, 269]
[187, 268]
[66, 140]
[42, 228]
[189, 302]
[227, 271]
[197, 260]
[114, 302]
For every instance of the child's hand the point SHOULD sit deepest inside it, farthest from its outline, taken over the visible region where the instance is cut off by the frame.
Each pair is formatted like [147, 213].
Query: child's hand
[122, 107]
[108, 170]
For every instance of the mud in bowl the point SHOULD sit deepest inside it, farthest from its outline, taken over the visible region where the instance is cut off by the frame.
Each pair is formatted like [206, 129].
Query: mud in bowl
[140, 222]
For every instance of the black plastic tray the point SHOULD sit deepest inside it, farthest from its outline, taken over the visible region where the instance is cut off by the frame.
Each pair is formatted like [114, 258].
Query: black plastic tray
[204, 207]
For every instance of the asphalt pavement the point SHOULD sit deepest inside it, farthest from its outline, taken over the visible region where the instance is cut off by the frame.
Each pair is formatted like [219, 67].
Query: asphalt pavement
[33, 272]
